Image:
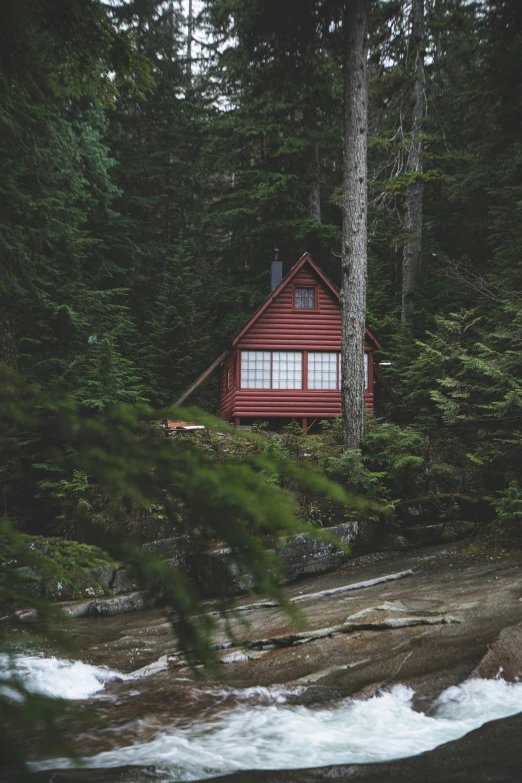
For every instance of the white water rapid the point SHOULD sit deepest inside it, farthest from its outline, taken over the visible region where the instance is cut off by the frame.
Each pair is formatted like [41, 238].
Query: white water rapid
[56, 677]
[275, 735]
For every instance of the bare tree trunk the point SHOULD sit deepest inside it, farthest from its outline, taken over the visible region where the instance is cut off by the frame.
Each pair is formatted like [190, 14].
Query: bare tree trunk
[314, 166]
[190, 33]
[411, 258]
[314, 193]
[355, 207]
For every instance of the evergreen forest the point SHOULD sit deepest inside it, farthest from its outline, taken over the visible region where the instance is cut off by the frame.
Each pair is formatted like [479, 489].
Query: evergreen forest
[154, 155]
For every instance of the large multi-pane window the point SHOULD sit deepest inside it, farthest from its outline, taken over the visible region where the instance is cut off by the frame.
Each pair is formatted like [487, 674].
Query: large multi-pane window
[255, 369]
[323, 370]
[271, 370]
[284, 370]
[287, 370]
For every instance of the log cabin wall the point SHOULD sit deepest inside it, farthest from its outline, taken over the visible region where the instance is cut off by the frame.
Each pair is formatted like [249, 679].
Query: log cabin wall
[227, 387]
[281, 327]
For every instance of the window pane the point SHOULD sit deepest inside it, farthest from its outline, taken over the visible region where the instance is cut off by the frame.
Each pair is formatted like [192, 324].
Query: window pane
[305, 298]
[287, 370]
[255, 369]
[322, 371]
[365, 370]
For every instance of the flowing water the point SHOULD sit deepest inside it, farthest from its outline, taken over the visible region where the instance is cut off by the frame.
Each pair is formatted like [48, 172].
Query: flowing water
[256, 728]
[57, 677]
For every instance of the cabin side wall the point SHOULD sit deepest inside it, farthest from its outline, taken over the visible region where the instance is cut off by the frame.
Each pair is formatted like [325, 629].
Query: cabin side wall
[369, 398]
[227, 386]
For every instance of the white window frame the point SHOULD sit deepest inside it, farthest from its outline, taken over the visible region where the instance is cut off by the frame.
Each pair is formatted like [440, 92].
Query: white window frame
[256, 369]
[287, 370]
[272, 370]
[316, 361]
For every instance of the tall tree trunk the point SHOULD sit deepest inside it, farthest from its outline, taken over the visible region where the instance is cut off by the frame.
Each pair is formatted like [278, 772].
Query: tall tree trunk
[314, 192]
[190, 33]
[411, 258]
[355, 208]
[314, 166]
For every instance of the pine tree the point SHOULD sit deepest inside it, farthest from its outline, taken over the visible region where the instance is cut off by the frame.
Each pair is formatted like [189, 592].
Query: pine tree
[276, 141]
[156, 140]
[57, 277]
[355, 212]
[415, 191]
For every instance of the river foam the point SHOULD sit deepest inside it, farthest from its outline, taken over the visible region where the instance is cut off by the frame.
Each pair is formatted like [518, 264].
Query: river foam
[275, 735]
[56, 677]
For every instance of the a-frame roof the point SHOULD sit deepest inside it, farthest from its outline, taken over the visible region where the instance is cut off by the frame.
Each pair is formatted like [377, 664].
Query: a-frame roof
[305, 259]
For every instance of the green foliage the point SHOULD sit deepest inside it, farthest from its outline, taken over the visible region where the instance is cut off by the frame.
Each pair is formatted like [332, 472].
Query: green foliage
[398, 455]
[67, 46]
[472, 380]
[42, 560]
[390, 466]
[135, 467]
[282, 91]
[508, 508]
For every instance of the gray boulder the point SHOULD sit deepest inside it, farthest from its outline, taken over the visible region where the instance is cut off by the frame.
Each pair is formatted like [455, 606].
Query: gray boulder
[59, 590]
[90, 584]
[131, 602]
[304, 554]
[165, 547]
[123, 582]
[103, 576]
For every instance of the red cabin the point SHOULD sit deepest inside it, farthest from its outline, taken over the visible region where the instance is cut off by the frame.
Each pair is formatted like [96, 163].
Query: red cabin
[285, 362]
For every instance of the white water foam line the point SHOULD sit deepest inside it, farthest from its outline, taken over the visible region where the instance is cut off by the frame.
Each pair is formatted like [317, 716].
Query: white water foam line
[279, 736]
[55, 677]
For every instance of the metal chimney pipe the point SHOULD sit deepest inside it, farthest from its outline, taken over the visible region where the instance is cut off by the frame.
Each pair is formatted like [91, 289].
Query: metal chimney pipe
[277, 270]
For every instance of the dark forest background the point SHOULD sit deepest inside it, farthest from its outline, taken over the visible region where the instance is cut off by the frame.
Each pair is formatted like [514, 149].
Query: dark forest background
[151, 161]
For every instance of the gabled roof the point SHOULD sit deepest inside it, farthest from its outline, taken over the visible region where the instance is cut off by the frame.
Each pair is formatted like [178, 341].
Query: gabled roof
[305, 259]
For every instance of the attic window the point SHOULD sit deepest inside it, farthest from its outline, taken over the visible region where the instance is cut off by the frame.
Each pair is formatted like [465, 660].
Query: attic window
[305, 298]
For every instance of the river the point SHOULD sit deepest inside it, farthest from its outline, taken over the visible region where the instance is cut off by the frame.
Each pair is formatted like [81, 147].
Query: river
[394, 659]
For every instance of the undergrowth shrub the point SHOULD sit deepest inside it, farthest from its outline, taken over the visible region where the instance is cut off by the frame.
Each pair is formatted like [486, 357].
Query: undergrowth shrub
[508, 509]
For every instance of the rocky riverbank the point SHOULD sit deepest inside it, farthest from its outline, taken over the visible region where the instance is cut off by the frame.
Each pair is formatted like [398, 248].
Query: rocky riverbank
[428, 620]
[110, 589]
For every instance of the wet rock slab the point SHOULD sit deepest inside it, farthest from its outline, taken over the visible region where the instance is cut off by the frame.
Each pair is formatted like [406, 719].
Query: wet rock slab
[428, 619]
[381, 623]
